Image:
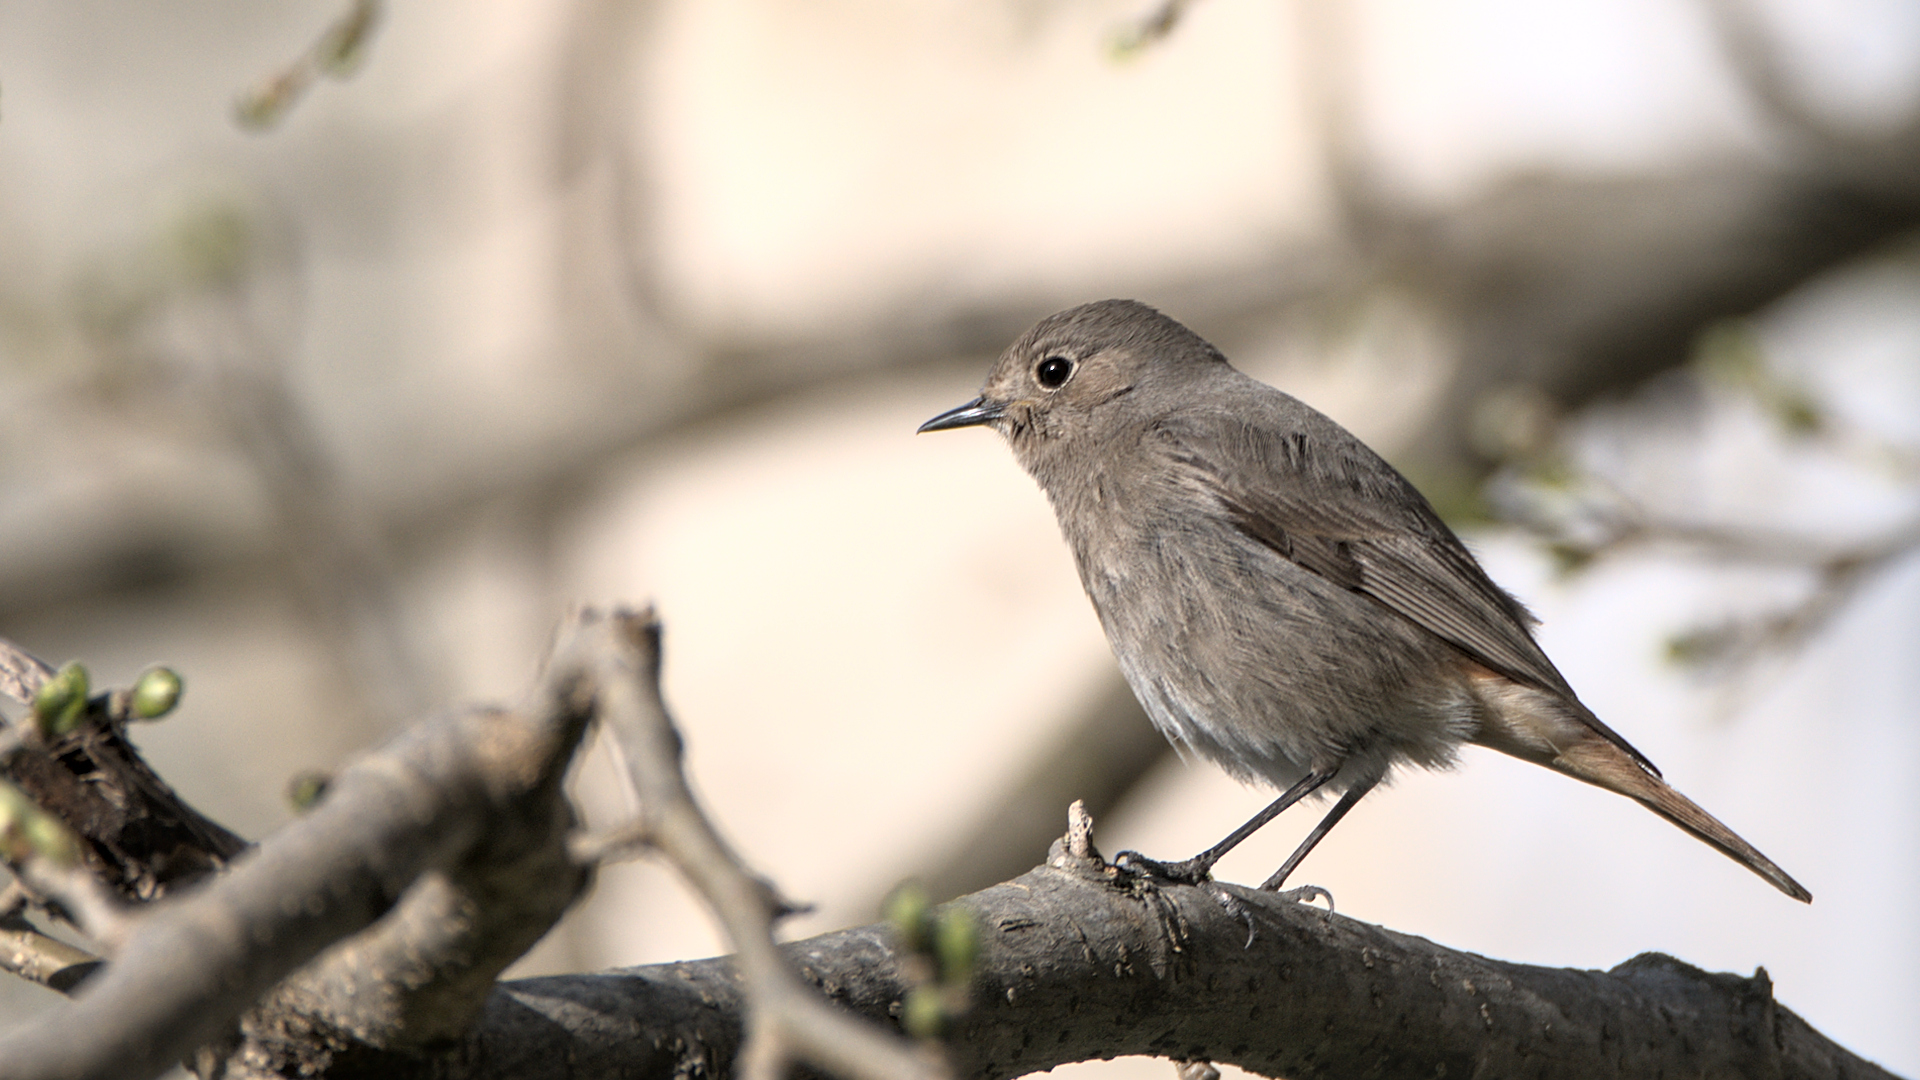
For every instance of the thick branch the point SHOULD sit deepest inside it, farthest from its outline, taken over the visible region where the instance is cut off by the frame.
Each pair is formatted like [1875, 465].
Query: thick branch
[1080, 964]
[193, 965]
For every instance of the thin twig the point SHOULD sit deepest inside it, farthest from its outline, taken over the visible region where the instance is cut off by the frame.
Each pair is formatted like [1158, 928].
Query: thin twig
[1617, 524]
[27, 952]
[790, 1020]
[1840, 576]
[21, 673]
[611, 845]
[1331, 86]
[101, 829]
[336, 52]
[70, 890]
[1149, 29]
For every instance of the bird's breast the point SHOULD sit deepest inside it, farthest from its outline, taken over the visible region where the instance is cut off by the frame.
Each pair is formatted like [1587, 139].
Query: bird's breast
[1259, 663]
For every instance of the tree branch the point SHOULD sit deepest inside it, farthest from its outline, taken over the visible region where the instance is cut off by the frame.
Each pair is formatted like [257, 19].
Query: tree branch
[398, 832]
[336, 53]
[36, 957]
[426, 869]
[1080, 962]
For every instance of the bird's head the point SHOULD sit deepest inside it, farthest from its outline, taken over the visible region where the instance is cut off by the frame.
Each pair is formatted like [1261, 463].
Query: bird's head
[1084, 371]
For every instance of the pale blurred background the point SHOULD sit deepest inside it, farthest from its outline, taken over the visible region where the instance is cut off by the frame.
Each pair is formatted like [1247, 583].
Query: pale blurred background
[557, 302]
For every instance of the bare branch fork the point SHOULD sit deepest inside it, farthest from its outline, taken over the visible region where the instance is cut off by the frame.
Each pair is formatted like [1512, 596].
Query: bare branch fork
[395, 847]
[789, 1018]
[427, 868]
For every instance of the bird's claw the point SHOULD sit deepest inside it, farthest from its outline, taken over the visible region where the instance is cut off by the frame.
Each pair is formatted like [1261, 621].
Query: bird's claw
[1188, 872]
[1185, 872]
[1235, 908]
[1305, 894]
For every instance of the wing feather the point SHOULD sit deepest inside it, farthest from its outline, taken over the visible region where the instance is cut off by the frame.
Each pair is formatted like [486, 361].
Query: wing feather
[1331, 506]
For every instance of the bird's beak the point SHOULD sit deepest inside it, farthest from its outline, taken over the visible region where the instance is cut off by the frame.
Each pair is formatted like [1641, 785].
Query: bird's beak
[975, 412]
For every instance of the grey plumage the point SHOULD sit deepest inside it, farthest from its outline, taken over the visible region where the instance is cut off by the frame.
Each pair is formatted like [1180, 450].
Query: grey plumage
[1278, 596]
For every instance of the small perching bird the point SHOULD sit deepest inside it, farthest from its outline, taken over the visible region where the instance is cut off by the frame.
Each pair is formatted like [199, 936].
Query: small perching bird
[1278, 596]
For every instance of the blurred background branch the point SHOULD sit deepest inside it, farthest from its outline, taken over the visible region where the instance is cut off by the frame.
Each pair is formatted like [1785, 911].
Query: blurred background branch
[336, 53]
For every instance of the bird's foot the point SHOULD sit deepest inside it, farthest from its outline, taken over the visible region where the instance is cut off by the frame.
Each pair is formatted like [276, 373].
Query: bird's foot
[1184, 872]
[1196, 872]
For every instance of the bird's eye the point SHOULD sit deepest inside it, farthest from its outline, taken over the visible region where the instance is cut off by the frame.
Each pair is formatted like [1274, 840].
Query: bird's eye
[1053, 371]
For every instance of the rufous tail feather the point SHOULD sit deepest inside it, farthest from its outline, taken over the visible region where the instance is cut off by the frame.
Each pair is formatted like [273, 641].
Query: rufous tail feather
[1603, 764]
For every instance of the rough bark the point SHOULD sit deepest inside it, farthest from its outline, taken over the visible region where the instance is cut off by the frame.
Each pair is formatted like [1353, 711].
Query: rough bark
[1079, 963]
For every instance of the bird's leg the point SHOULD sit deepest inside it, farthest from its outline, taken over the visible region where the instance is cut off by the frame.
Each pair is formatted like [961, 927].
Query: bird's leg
[1199, 868]
[1353, 795]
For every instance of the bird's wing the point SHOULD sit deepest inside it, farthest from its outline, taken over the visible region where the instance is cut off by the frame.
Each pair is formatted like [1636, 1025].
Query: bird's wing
[1321, 499]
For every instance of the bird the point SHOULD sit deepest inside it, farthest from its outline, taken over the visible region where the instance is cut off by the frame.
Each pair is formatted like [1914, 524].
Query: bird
[1279, 598]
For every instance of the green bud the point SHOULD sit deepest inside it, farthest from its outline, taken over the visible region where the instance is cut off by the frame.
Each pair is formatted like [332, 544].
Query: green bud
[261, 107]
[956, 944]
[1701, 646]
[27, 831]
[50, 838]
[155, 693]
[1125, 44]
[909, 909]
[1553, 471]
[1731, 353]
[62, 701]
[13, 809]
[345, 45]
[924, 1013]
[1799, 413]
[307, 788]
[1569, 558]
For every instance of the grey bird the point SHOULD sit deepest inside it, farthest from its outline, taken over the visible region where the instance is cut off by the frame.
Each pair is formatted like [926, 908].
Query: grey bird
[1279, 598]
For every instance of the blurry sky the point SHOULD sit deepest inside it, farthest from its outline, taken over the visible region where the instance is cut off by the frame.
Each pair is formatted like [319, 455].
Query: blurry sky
[867, 631]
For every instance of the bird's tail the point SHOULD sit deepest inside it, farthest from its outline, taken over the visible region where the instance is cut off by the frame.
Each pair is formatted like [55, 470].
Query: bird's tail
[1603, 764]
